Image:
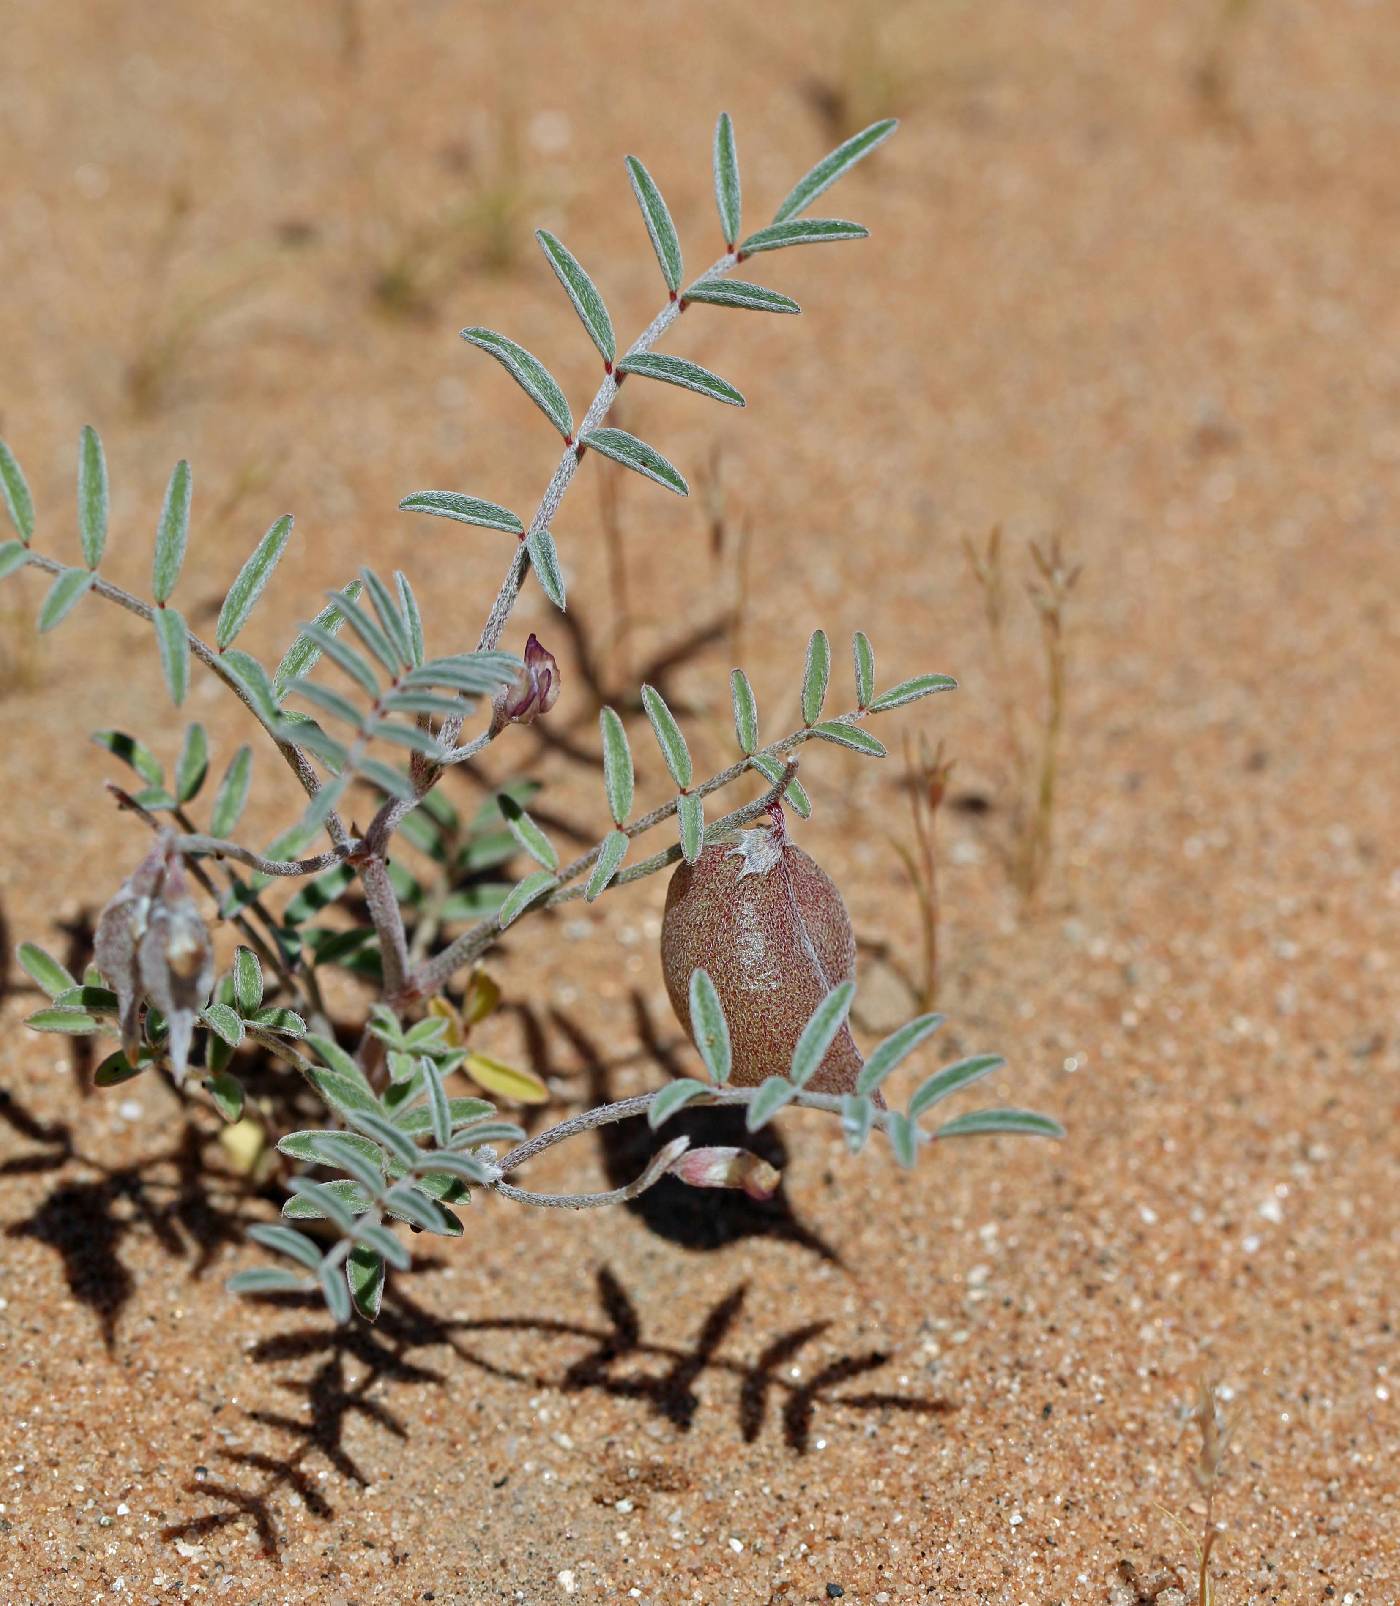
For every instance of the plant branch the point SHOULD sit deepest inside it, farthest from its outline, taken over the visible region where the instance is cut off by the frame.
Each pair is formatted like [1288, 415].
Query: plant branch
[639, 1104]
[297, 760]
[656, 1168]
[388, 922]
[390, 816]
[216, 848]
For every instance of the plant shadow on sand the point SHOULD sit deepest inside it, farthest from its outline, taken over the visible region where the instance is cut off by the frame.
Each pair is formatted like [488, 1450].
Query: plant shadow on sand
[179, 1198]
[608, 1354]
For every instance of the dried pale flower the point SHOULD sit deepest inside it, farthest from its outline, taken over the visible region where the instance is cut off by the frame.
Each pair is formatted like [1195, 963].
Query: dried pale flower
[534, 691]
[152, 941]
[728, 1168]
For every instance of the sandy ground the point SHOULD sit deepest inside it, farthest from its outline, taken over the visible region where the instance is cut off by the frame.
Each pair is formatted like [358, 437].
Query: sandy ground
[1102, 296]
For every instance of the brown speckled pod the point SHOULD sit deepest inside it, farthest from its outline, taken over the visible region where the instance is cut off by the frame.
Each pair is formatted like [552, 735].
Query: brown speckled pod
[767, 923]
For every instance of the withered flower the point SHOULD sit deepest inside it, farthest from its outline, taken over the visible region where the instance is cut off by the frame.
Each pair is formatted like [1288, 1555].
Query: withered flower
[534, 691]
[152, 942]
[728, 1168]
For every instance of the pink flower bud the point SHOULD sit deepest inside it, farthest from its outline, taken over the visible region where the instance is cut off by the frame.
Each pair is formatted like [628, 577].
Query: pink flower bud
[728, 1168]
[534, 691]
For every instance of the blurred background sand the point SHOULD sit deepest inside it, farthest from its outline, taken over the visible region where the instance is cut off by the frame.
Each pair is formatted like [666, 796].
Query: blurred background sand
[1131, 280]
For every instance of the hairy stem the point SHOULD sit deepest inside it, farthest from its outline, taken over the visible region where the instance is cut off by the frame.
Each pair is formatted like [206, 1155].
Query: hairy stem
[216, 848]
[559, 483]
[639, 1104]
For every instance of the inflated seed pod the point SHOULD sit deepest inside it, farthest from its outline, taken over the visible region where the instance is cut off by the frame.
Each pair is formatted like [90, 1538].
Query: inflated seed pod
[767, 923]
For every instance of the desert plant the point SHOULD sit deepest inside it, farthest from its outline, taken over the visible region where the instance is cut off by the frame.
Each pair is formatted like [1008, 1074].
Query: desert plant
[155, 984]
[926, 778]
[1209, 1418]
[1034, 760]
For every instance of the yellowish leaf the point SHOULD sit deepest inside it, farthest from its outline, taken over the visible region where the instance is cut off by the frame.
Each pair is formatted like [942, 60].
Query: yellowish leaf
[505, 1081]
[244, 1142]
[442, 1008]
[481, 998]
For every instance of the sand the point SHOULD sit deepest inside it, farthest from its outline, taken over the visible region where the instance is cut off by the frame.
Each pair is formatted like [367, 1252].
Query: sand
[1131, 278]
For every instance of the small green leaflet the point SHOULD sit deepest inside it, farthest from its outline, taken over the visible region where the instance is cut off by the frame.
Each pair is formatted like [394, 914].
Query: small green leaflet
[250, 678]
[92, 496]
[68, 1019]
[727, 193]
[609, 858]
[857, 1116]
[864, 655]
[952, 1079]
[831, 167]
[248, 990]
[690, 808]
[981, 1123]
[528, 835]
[130, 751]
[304, 652]
[116, 1069]
[391, 621]
[267, 1280]
[737, 293]
[250, 580]
[226, 1092]
[745, 710]
[15, 491]
[673, 1098]
[634, 454]
[413, 620]
[852, 736]
[232, 793]
[375, 640]
[173, 532]
[193, 765]
[174, 646]
[895, 1048]
[286, 1241]
[544, 560]
[364, 1280]
[223, 1022]
[41, 967]
[617, 765]
[325, 1201]
[529, 373]
[826, 1021]
[345, 657]
[335, 1292]
[523, 894]
[709, 1027]
[662, 230]
[581, 290]
[909, 691]
[772, 771]
[69, 585]
[904, 1139]
[382, 1130]
[815, 676]
[773, 1093]
[801, 231]
[465, 509]
[677, 371]
[668, 737]
[13, 555]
